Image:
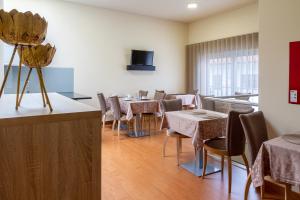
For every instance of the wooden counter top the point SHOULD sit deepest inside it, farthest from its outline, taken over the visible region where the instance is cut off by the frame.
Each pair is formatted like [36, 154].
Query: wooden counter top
[49, 156]
[32, 110]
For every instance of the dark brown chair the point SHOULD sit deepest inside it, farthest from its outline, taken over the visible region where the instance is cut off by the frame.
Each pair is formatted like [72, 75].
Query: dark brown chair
[255, 129]
[232, 145]
[168, 106]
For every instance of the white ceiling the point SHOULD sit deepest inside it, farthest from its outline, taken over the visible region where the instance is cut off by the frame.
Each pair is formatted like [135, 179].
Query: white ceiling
[168, 9]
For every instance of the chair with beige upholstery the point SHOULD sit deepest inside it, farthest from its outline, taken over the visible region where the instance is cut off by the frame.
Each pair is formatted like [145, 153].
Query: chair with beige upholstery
[106, 112]
[159, 95]
[143, 93]
[241, 97]
[207, 103]
[232, 145]
[255, 129]
[167, 106]
[117, 114]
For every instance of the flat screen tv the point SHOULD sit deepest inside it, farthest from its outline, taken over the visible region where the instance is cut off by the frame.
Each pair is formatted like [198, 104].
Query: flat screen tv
[139, 57]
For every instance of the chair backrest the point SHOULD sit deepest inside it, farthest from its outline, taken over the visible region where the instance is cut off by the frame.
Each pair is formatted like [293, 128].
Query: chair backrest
[171, 105]
[255, 129]
[207, 103]
[235, 136]
[115, 107]
[246, 98]
[159, 95]
[161, 91]
[102, 102]
[143, 93]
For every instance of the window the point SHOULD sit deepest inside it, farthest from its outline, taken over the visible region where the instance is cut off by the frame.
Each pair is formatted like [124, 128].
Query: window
[225, 66]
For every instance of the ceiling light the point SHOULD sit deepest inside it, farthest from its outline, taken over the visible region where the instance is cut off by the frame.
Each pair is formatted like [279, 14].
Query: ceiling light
[192, 6]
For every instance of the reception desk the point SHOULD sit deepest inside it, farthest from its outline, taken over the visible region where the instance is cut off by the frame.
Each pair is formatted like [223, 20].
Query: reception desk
[53, 156]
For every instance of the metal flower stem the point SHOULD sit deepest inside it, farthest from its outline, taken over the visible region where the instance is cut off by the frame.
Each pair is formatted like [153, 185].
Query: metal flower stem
[43, 86]
[8, 69]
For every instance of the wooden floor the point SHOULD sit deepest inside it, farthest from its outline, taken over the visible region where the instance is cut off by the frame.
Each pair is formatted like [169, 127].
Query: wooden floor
[135, 169]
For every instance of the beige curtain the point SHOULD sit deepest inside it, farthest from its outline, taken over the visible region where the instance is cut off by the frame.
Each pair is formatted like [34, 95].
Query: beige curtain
[223, 67]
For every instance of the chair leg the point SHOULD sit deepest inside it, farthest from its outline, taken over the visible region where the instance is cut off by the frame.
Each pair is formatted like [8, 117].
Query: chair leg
[164, 146]
[142, 121]
[246, 163]
[248, 183]
[262, 191]
[177, 150]
[204, 163]
[113, 125]
[180, 145]
[222, 165]
[229, 174]
[155, 119]
[119, 125]
[149, 123]
[103, 120]
[286, 191]
[161, 123]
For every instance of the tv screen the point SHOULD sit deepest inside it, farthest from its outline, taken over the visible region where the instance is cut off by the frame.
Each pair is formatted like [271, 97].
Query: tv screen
[142, 57]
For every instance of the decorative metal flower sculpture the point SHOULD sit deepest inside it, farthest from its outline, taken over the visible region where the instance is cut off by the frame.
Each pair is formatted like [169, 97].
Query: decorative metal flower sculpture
[19, 28]
[37, 57]
[26, 31]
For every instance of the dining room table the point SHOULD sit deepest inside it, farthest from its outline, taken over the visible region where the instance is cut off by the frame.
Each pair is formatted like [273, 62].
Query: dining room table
[199, 125]
[135, 108]
[280, 159]
[187, 99]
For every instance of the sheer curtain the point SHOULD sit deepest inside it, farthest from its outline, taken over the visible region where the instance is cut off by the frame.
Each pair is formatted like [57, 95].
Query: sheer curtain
[225, 66]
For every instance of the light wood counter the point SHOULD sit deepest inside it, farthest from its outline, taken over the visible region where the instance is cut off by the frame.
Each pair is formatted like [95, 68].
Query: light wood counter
[53, 156]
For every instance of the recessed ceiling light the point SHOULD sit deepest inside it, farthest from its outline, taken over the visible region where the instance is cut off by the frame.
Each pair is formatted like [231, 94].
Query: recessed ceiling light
[192, 6]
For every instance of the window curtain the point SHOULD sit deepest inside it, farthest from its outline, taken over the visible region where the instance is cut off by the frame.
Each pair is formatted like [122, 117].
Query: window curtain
[223, 67]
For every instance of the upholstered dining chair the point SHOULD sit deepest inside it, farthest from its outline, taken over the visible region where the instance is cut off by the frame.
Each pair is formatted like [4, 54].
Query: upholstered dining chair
[255, 129]
[206, 103]
[232, 145]
[117, 114]
[159, 95]
[143, 93]
[167, 106]
[106, 112]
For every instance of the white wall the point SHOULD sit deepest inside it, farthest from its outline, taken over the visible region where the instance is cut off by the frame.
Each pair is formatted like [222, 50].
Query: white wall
[97, 43]
[279, 25]
[228, 24]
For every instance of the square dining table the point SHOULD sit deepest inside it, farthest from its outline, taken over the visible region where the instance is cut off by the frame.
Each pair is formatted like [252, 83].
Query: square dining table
[134, 107]
[199, 125]
[280, 159]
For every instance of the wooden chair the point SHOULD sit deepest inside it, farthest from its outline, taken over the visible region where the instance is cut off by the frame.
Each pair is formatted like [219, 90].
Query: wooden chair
[255, 129]
[167, 106]
[104, 108]
[117, 114]
[232, 145]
